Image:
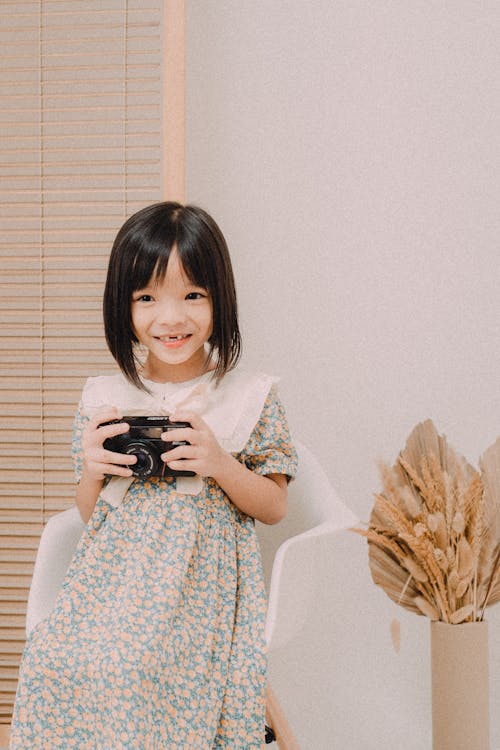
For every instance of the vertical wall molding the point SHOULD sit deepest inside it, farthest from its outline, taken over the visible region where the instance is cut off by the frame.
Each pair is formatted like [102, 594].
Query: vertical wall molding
[174, 113]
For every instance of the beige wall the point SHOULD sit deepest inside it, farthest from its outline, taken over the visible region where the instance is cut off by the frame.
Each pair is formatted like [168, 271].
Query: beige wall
[350, 152]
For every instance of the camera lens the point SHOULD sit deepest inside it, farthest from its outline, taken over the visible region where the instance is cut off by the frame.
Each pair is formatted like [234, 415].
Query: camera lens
[146, 459]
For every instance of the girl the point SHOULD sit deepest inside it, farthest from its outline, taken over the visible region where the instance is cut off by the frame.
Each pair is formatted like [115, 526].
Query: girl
[156, 639]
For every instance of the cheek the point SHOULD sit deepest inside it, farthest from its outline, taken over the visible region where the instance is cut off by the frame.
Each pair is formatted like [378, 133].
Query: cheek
[137, 322]
[205, 319]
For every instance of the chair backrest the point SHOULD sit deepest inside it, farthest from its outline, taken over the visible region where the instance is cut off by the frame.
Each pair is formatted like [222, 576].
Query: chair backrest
[58, 543]
[311, 501]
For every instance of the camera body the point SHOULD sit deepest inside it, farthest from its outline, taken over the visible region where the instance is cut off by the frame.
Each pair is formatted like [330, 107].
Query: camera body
[144, 441]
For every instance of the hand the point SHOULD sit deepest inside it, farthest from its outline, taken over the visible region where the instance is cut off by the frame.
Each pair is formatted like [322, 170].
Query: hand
[203, 455]
[97, 461]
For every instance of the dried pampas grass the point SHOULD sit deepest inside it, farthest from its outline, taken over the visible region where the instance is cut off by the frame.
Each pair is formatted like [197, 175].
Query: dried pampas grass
[434, 531]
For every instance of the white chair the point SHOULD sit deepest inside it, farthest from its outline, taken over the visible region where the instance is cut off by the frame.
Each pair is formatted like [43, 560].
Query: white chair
[289, 554]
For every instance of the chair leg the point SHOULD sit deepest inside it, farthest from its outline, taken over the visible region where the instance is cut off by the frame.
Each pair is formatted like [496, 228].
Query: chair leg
[275, 718]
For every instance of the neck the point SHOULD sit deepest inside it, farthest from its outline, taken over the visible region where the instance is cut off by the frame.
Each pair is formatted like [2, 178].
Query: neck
[160, 372]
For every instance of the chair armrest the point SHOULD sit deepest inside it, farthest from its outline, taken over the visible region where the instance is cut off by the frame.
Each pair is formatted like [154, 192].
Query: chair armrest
[295, 581]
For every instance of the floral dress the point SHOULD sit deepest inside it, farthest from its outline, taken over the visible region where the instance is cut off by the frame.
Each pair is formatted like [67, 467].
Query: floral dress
[156, 639]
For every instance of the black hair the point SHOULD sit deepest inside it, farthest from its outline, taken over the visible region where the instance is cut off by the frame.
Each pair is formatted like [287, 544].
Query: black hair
[141, 251]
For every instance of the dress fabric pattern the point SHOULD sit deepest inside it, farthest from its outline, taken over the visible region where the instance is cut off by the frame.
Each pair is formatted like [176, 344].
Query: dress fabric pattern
[156, 639]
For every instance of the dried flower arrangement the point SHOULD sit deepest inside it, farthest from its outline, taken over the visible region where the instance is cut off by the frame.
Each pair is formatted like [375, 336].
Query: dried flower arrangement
[434, 531]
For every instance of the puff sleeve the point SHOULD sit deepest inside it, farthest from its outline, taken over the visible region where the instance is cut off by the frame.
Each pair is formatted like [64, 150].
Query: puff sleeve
[269, 450]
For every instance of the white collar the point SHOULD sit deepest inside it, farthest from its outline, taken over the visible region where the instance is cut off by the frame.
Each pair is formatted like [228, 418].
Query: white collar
[231, 408]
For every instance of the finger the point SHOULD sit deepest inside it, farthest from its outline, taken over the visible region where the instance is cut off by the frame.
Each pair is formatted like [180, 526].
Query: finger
[175, 436]
[182, 465]
[183, 451]
[115, 470]
[104, 415]
[112, 430]
[95, 439]
[119, 458]
[194, 419]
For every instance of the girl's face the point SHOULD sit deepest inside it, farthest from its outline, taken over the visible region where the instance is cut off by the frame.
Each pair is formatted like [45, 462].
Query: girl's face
[172, 318]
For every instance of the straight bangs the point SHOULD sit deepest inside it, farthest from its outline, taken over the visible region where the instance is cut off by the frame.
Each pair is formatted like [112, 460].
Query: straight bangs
[152, 253]
[193, 269]
[149, 260]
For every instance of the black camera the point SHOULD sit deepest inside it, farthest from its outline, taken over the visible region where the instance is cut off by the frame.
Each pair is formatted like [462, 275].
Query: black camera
[144, 441]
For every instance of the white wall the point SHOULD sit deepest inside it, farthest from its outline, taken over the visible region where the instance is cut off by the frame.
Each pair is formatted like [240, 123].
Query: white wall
[350, 152]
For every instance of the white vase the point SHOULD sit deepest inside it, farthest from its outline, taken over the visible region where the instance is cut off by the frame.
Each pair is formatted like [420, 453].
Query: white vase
[460, 690]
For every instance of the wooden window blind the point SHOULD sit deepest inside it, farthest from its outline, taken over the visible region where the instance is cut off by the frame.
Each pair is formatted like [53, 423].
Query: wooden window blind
[81, 147]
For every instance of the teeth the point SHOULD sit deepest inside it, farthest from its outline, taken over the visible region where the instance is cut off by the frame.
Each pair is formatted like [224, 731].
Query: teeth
[173, 338]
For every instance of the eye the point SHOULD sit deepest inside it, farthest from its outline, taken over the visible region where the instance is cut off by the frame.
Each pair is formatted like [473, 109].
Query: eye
[143, 298]
[196, 295]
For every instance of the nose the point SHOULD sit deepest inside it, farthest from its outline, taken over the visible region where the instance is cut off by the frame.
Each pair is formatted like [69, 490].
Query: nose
[170, 313]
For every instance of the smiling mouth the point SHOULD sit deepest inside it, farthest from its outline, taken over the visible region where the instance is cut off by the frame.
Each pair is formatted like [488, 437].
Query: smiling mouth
[173, 341]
